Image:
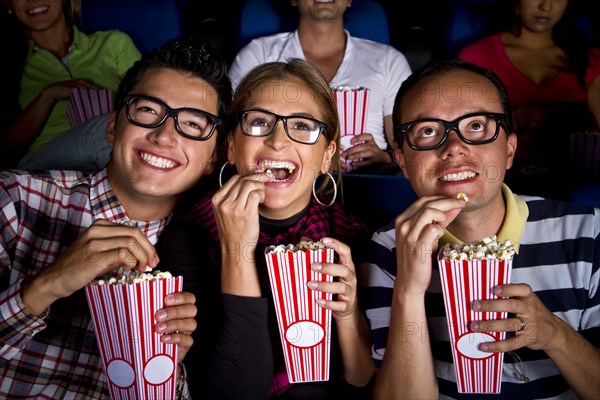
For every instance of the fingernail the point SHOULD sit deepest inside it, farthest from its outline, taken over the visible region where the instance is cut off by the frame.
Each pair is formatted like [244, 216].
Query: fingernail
[321, 302]
[316, 266]
[476, 305]
[483, 347]
[497, 290]
[166, 338]
[327, 240]
[161, 315]
[312, 284]
[169, 299]
[161, 327]
[155, 261]
[475, 326]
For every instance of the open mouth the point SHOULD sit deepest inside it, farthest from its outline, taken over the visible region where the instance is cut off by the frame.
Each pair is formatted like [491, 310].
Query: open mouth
[458, 176]
[158, 162]
[280, 170]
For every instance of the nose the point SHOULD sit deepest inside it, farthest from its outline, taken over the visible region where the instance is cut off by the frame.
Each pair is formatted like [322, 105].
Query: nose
[278, 138]
[453, 146]
[166, 133]
[545, 4]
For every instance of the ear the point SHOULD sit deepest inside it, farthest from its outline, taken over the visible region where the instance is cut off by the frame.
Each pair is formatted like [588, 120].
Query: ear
[511, 149]
[294, 3]
[327, 156]
[111, 127]
[401, 161]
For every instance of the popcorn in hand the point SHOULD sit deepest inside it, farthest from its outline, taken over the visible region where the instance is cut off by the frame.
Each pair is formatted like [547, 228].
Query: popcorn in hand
[132, 277]
[303, 245]
[487, 249]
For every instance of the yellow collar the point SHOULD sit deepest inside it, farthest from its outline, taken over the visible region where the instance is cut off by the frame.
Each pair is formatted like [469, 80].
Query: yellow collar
[514, 221]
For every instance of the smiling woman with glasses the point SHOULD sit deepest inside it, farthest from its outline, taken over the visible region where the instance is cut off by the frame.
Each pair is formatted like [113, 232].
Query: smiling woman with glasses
[150, 112]
[284, 151]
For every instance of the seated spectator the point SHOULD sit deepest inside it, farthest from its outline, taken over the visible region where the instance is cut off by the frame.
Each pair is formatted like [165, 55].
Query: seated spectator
[51, 219]
[552, 75]
[280, 150]
[344, 61]
[451, 145]
[58, 58]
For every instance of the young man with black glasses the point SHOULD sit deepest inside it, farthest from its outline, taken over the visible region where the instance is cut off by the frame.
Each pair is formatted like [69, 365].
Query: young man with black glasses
[453, 127]
[62, 229]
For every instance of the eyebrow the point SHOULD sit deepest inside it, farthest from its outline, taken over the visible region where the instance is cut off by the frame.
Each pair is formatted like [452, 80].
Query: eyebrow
[295, 114]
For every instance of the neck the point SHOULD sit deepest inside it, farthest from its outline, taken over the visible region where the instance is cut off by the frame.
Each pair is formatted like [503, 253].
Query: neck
[141, 207]
[534, 40]
[56, 39]
[475, 224]
[321, 35]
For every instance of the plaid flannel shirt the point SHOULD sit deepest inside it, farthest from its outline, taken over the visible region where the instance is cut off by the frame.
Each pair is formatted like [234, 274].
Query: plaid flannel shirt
[54, 355]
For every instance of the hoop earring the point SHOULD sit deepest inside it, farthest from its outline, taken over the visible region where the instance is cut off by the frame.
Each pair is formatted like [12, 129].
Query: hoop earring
[334, 189]
[221, 174]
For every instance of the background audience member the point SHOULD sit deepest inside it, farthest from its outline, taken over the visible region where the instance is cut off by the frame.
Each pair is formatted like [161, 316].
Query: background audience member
[553, 326]
[51, 220]
[58, 58]
[280, 149]
[344, 61]
[552, 75]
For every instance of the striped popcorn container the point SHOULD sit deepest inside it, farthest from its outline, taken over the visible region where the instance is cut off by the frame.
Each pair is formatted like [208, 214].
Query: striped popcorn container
[136, 364]
[352, 106]
[84, 104]
[304, 327]
[464, 281]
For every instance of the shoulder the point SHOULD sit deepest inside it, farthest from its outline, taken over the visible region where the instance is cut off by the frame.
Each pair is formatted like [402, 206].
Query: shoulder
[483, 45]
[369, 46]
[552, 221]
[541, 208]
[42, 184]
[268, 41]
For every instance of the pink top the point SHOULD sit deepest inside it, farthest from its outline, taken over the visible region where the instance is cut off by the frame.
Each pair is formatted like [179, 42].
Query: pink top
[489, 52]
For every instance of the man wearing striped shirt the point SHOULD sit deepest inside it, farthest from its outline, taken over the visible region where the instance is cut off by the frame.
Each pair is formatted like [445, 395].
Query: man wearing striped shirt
[452, 123]
[62, 229]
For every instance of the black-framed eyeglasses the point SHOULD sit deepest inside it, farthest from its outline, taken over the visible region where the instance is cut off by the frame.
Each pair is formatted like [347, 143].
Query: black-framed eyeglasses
[150, 112]
[303, 130]
[473, 128]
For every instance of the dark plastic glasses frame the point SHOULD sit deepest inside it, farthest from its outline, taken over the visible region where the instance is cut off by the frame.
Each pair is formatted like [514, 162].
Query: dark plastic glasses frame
[174, 113]
[453, 126]
[322, 125]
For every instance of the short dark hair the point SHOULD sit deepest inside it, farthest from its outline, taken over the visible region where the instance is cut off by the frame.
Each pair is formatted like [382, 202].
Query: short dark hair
[189, 54]
[441, 67]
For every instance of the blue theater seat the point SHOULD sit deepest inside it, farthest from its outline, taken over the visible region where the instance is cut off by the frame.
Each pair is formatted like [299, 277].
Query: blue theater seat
[376, 199]
[150, 23]
[588, 194]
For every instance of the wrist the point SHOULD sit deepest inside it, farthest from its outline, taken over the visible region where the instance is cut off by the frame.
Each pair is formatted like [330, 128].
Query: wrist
[35, 298]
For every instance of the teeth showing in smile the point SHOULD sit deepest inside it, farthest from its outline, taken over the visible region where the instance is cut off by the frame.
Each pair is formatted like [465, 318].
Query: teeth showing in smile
[37, 10]
[460, 176]
[157, 162]
[280, 170]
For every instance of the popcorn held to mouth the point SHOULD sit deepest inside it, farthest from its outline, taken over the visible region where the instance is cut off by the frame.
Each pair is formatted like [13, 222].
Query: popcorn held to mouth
[486, 249]
[462, 196]
[279, 171]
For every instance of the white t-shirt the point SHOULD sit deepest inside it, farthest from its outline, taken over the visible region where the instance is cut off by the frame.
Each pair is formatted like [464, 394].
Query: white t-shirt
[376, 66]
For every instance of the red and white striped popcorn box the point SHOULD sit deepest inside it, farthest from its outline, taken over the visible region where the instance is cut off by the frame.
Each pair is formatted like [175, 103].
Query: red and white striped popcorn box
[304, 327]
[84, 104]
[464, 281]
[136, 363]
[352, 107]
